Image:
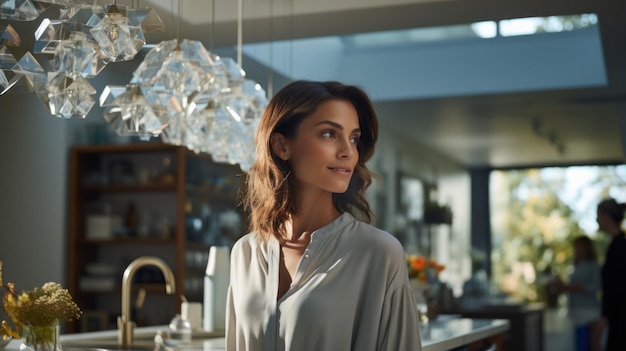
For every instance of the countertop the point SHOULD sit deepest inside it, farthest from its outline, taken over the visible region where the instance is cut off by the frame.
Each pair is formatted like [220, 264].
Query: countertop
[445, 333]
[450, 331]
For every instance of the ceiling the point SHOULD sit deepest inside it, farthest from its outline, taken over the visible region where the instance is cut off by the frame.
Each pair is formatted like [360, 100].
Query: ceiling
[499, 128]
[556, 126]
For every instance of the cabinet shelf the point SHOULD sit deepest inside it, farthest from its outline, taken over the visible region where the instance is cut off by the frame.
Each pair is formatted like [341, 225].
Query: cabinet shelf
[125, 188]
[129, 241]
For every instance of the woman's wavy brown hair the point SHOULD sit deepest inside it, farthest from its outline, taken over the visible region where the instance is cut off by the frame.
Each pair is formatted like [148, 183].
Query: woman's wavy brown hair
[268, 193]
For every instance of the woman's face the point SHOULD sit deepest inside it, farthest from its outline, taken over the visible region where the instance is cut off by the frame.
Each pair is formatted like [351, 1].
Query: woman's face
[324, 152]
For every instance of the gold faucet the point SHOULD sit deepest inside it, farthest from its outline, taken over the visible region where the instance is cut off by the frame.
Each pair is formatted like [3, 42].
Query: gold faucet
[126, 327]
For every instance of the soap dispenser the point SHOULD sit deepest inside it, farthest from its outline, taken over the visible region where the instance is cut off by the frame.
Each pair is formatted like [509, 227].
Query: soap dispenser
[216, 280]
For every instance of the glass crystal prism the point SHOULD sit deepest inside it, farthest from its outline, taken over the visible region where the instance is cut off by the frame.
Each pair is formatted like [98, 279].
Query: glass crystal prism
[118, 39]
[29, 67]
[200, 115]
[152, 62]
[240, 110]
[180, 77]
[47, 35]
[178, 131]
[224, 135]
[67, 96]
[129, 113]
[18, 10]
[7, 77]
[9, 36]
[78, 55]
[236, 74]
[148, 18]
[13, 81]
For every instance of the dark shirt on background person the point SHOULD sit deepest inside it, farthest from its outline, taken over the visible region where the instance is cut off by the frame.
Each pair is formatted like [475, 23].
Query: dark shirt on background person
[614, 293]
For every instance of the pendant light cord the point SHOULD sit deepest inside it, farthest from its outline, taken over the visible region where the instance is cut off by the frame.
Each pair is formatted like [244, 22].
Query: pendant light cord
[180, 14]
[239, 31]
[212, 26]
[270, 74]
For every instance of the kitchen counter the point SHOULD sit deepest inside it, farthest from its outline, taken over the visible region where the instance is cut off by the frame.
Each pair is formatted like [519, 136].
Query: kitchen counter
[525, 321]
[450, 331]
[445, 333]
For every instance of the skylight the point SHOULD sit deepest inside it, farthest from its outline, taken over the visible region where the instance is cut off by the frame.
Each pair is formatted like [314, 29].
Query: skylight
[478, 30]
[552, 24]
[447, 61]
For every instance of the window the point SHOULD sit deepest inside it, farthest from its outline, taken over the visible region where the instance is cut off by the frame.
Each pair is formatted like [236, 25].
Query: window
[534, 215]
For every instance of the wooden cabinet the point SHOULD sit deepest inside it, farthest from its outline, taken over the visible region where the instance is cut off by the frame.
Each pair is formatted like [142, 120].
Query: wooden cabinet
[144, 199]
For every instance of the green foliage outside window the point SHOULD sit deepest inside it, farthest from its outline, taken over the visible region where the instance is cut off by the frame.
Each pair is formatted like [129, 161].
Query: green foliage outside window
[535, 214]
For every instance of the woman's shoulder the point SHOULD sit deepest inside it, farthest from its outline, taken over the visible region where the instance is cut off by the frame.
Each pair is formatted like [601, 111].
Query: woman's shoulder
[247, 243]
[375, 238]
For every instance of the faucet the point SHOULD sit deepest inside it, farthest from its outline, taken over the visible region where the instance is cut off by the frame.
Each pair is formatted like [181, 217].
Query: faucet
[126, 327]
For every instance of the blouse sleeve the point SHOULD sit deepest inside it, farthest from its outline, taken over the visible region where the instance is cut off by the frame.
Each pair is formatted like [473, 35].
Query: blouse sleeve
[399, 325]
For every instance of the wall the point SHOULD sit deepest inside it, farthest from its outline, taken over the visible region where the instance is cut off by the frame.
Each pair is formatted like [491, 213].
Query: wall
[395, 155]
[33, 202]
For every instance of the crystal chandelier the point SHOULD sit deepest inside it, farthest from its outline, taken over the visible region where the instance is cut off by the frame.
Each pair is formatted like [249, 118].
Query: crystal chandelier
[188, 96]
[8, 37]
[191, 97]
[181, 92]
[72, 48]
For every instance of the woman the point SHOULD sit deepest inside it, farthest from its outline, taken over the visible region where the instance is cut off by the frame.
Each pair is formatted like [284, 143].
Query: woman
[610, 216]
[310, 276]
[583, 300]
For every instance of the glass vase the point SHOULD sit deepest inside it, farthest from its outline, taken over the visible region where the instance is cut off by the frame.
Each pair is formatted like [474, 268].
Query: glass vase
[420, 292]
[41, 338]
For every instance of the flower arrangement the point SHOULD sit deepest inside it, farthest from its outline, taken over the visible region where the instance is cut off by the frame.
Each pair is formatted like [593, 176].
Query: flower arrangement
[422, 268]
[34, 310]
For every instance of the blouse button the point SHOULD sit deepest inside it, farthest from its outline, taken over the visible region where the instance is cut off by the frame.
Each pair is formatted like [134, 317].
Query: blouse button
[307, 256]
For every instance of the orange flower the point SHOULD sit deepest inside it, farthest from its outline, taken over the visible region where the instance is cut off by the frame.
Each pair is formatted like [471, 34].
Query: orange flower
[423, 268]
[432, 263]
[418, 263]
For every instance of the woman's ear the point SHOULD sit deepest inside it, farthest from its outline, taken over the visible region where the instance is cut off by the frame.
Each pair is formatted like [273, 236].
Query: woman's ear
[280, 146]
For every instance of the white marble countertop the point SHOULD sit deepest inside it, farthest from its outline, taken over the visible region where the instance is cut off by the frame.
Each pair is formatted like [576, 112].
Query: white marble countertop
[449, 332]
[445, 333]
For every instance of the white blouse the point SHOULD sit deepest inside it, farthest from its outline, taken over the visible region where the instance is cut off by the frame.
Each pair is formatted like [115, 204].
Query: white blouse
[350, 292]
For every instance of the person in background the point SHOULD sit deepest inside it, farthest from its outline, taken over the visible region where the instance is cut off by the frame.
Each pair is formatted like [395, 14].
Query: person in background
[310, 275]
[583, 291]
[610, 216]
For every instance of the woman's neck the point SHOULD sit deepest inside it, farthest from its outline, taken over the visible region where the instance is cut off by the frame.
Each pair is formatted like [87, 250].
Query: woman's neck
[308, 219]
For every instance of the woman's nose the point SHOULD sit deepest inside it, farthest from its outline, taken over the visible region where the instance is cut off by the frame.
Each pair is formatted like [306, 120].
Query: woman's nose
[347, 149]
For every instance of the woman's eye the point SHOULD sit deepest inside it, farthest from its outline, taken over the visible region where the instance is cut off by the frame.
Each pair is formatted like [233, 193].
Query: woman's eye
[355, 139]
[327, 133]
